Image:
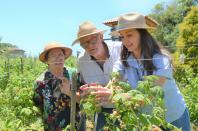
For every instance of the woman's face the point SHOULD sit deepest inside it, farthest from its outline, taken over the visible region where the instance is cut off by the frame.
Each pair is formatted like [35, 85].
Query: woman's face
[131, 39]
[56, 58]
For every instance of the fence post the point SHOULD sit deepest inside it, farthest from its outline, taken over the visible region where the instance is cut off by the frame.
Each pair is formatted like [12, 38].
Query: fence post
[21, 65]
[8, 68]
[73, 101]
[5, 66]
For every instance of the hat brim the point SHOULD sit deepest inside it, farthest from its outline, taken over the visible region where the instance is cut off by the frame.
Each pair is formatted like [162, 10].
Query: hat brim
[77, 39]
[67, 52]
[116, 32]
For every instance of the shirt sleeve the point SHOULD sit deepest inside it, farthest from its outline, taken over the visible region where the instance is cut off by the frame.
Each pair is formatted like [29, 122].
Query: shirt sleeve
[163, 66]
[119, 67]
[38, 97]
[37, 91]
[80, 76]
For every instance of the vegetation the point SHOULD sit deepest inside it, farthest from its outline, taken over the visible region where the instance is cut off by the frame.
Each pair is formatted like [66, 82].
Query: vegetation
[169, 15]
[178, 30]
[4, 47]
[187, 42]
[142, 111]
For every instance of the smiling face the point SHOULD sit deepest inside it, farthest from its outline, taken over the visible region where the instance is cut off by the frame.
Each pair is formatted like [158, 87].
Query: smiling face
[131, 40]
[92, 44]
[55, 58]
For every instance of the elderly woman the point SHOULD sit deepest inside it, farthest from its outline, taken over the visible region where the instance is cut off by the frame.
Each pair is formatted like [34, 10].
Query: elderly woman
[52, 89]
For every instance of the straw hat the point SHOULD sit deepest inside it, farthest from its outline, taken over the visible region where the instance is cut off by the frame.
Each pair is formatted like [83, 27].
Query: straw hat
[54, 45]
[134, 21]
[85, 29]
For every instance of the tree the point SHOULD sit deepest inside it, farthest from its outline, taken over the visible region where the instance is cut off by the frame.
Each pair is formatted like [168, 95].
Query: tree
[71, 61]
[169, 16]
[188, 37]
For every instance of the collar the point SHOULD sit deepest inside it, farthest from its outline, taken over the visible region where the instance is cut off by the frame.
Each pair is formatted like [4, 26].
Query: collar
[49, 75]
[133, 62]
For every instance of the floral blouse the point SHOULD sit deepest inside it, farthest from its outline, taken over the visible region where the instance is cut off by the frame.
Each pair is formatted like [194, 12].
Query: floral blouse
[54, 104]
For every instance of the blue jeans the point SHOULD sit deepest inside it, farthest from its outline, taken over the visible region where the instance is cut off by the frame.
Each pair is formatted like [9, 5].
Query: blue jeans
[81, 124]
[101, 118]
[183, 122]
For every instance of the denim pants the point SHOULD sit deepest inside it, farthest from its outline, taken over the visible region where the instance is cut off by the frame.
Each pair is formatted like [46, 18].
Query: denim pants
[82, 126]
[183, 122]
[101, 118]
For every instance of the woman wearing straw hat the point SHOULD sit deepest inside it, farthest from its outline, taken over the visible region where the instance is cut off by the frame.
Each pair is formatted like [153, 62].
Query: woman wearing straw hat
[96, 63]
[52, 90]
[142, 56]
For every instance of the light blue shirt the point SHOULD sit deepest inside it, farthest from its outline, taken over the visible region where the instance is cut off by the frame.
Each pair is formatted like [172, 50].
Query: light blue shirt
[174, 102]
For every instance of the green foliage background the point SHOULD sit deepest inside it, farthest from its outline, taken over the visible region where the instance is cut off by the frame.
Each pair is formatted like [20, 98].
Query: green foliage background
[178, 29]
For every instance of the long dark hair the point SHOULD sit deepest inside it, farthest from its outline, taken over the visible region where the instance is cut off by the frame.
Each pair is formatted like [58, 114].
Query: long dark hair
[148, 46]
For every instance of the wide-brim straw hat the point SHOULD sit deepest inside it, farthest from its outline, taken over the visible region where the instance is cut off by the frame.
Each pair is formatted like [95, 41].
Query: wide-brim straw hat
[134, 21]
[85, 29]
[54, 45]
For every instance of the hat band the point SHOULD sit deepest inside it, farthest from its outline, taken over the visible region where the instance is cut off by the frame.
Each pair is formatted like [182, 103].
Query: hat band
[131, 25]
[86, 32]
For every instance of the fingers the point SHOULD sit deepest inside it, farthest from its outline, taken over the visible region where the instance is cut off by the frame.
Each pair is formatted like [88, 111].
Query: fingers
[83, 87]
[85, 90]
[84, 93]
[88, 86]
[100, 88]
[101, 99]
[102, 93]
[95, 89]
[65, 88]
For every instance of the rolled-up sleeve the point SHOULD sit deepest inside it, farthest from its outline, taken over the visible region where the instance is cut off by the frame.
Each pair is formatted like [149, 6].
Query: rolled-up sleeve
[119, 67]
[163, 66]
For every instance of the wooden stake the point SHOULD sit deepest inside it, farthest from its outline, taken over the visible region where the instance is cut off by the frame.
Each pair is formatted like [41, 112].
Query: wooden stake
[73, 101]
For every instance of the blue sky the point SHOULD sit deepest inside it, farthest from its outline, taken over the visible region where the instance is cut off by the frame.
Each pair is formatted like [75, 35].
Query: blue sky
[31, 24]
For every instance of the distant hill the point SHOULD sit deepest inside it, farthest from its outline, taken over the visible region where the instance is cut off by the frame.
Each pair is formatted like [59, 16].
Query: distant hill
[4, 47]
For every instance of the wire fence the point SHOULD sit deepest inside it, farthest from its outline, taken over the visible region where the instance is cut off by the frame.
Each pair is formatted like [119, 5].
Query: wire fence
[180, 60]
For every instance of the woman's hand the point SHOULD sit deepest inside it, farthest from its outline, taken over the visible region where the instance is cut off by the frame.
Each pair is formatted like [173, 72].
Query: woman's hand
[65, 86]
